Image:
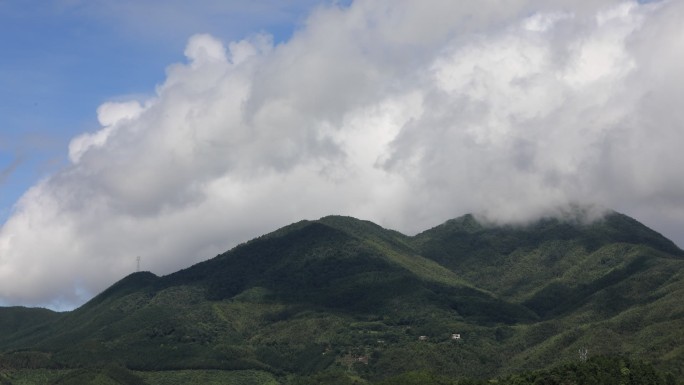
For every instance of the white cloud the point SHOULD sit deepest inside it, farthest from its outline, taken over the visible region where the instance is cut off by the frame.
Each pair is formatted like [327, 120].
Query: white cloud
[108, 114]
[203, 49]
[541, 22]
[394, 111]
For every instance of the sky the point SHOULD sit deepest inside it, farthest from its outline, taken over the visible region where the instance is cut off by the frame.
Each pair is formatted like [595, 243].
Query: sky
[175, 130]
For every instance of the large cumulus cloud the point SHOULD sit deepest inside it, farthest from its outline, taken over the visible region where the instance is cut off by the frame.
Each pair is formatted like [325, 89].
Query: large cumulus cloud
[400, 112]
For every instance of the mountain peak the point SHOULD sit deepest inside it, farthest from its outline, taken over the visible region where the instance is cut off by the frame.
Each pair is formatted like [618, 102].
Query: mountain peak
[319, 292]
[130, 283]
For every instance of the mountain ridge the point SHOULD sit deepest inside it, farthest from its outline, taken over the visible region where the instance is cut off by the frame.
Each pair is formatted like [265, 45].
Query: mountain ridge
[311, 296]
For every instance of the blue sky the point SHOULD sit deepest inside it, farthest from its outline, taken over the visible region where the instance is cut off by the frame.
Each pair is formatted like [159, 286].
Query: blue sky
[174, 130]
[61, 59]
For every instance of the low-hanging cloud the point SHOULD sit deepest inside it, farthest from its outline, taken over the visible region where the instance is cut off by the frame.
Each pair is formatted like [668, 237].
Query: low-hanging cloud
[398, 112]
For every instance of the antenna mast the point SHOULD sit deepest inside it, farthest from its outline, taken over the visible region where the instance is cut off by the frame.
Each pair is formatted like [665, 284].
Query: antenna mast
[138, 260]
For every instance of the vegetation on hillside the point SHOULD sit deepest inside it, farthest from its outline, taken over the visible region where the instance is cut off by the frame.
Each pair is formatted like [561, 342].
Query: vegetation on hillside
[340, 300]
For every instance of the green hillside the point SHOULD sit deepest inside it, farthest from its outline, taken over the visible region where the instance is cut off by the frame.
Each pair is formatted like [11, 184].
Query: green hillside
[340, 300]
[17, 319]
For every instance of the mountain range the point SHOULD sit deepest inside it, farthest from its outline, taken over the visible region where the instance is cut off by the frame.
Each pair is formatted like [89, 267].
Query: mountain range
[349, 299]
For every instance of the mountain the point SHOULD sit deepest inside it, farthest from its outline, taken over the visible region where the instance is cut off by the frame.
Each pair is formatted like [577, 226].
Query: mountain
[17, 318]
[347, 298]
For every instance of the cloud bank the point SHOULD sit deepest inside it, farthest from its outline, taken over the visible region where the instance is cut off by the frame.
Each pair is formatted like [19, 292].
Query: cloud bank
[403, 113]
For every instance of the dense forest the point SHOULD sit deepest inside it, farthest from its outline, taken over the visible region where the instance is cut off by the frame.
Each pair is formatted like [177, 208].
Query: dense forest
[344, 301]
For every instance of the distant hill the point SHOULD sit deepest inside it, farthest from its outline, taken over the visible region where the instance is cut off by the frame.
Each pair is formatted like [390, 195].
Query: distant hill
[348, 298]
[19, 319]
